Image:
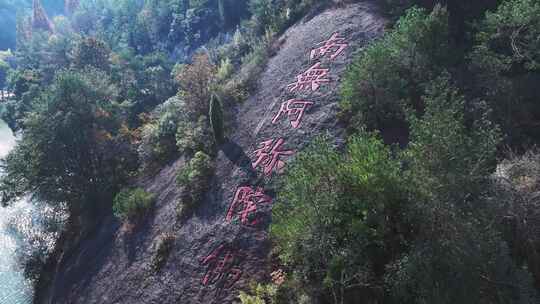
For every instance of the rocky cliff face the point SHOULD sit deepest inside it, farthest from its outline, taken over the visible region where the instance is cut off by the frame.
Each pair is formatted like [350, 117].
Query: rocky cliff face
[224, 246]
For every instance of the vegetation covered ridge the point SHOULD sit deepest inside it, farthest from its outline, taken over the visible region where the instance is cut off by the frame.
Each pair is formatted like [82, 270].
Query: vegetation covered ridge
[280, 151]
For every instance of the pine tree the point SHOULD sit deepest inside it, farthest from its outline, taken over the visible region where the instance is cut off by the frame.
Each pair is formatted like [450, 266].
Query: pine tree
[216, 118]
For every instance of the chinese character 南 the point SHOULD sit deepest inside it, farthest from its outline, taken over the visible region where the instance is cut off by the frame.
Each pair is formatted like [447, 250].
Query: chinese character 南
[245, 204]
[294, 109]
[310, 79]
[335, 44]
[268, 156]
[221, 270]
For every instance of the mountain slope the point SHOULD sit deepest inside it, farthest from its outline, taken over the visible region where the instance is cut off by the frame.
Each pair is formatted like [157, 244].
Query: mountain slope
[114, 264]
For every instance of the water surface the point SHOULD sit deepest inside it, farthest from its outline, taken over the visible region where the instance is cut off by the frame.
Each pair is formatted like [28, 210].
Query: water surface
[22, 233]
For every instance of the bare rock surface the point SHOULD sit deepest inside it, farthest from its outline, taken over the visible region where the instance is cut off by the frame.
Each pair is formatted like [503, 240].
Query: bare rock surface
[114, 265]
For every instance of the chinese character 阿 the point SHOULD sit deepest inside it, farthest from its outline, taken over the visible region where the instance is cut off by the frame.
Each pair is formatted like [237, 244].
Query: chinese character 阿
[221, 270]
[245, 203]
[335, 43]
[310, 79]
[268, 156]
[293, 108]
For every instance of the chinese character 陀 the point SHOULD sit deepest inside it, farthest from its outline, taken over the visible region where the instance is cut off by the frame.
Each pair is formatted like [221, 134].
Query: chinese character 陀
[245, 204]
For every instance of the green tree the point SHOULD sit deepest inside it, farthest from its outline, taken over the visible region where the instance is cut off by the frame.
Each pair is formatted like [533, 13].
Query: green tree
[393, 71]
[194, 136]
[337, 218]
[91, 52]
[70, 151]
[195, 178]
[455, 258]
[132, 204]
[196, 81]
[216, 119]
[506, 65]
[452, 151]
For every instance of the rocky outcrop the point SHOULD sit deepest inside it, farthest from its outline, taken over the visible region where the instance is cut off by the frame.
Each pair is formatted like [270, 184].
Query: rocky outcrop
[220, 250]
[40, 20]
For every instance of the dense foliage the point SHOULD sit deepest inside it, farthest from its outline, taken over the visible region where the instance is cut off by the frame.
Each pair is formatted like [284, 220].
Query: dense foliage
[506, 61]
[73, 148]
[391, 73]
[337, 214]
[434, 220]
[111, 91]
[107, 92]
[128, 66]
[195, 180]
[405, 226]
[132, 204]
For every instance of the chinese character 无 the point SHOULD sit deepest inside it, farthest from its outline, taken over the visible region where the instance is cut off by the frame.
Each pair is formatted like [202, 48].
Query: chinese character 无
[220, 268]
[310, 79]
[269, 154]
[293, 108]
[245, 203]
[335, 43]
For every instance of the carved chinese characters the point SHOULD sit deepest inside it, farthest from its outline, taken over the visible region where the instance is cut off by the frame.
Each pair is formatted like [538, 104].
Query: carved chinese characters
[312, 79]
[335, 44]
[249, 203]
[294, 109]
[269, 154]
[245, 203]
[220, 268]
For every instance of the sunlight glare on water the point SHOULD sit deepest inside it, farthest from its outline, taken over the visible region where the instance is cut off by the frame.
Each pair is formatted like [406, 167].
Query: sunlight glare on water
[20, 233]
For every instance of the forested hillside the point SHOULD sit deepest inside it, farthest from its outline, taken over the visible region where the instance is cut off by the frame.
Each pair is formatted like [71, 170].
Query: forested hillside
[279, 151]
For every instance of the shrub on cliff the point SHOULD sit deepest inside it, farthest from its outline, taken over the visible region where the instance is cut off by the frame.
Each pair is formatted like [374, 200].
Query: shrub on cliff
[193, 136]
[132, 204]
[158, 134]
[195, 180]
[163, 247]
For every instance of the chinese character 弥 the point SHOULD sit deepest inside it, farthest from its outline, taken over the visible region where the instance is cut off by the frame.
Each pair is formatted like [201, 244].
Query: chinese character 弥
[220, 268]
[335, 42]
[247, 199]
[310, 79]
[268, 156]
[293, 108]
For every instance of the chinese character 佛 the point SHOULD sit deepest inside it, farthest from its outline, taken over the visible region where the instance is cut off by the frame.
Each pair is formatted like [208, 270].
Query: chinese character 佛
[245, 204]
[335, 44]
[310, 79]
[268, 156]
[294, 109]
[221, 270]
